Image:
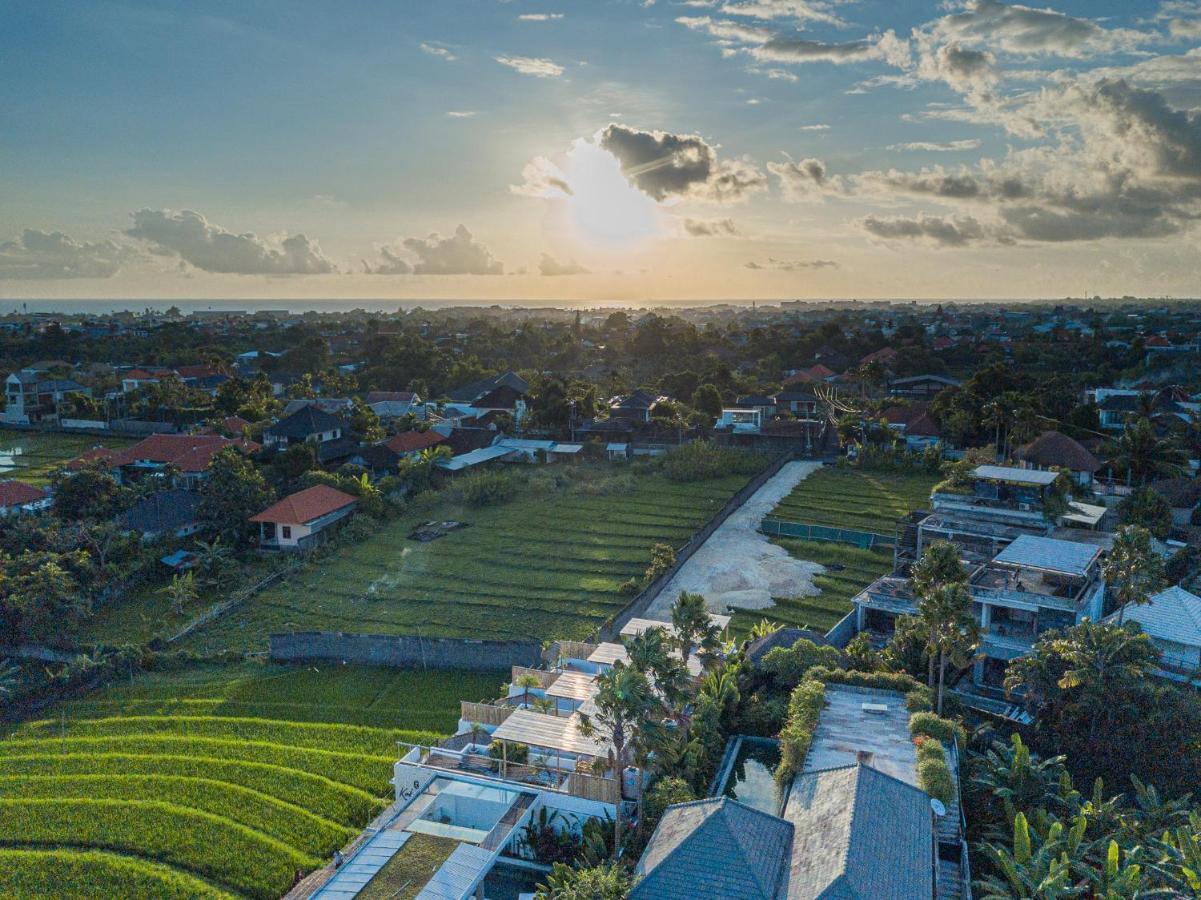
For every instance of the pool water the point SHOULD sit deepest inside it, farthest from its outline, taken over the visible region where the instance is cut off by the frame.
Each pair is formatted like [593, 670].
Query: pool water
[752, 777]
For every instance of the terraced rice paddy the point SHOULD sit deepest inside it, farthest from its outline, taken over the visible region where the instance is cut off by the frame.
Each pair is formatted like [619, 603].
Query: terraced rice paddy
[841, 498]
[854, 499]
[540, 566]
[211, 782]
[31, 456]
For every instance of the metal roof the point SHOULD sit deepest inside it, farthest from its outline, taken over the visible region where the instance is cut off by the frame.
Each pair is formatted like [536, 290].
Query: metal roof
[459, 875]
[354, 875]
[1039, 477]
[1049, 554]
[561, 733]
[573, 686]
[473, 458]
[636, 626]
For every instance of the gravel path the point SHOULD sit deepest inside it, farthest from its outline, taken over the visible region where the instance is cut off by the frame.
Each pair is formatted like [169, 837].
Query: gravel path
[739, 566]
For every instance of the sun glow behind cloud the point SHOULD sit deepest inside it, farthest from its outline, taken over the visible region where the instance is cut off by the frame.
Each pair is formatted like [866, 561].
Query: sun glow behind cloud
[600, 209]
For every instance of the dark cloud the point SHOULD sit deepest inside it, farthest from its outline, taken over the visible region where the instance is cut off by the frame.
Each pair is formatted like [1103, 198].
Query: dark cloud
[548, 265]
[804, 180]
[939, 230]
[41, 255]
[213, 249]
[710, 227]
[459, 254]
[1018, 29]
[663, 165]
[390, 264]
[791, 265]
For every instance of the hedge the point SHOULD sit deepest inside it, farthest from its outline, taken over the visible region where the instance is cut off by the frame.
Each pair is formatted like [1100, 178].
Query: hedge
[934, 726]
[934, 777]
[96, 874]
[210, 846]
[884, 681]
[804, 710]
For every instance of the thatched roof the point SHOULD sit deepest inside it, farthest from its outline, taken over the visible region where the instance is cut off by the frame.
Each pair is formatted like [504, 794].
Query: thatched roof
[1051, 448]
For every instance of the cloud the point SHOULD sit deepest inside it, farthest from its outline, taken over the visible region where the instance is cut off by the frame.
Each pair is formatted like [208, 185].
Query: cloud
[542, 178]
[41, 255]
[548, 265]
[539, 17]
[790, 265]
[461, 114]
[459, 254]
[727, 30]
[391, 265]
[438, 50]
[1024, 30]
[664, 165]
[817, 127]
[213, 249]
[935, 147]
[967, 71]
[804, 180]
[529, 65]
[938, 230]
[778, 48]
[710, 227]
[801, 10]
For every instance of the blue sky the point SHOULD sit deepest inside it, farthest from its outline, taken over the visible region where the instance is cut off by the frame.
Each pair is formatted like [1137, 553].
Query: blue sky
[763, 148]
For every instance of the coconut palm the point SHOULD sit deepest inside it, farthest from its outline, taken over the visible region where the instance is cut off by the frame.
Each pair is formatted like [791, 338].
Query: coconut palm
[1143, 455]
[623, 701]
[939, 565]
[945, 613]
[527, 681]
[1133, 571]
[694, 629]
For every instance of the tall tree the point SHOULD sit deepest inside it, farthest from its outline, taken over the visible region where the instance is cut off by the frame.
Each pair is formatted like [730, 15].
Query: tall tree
[694, 629]
[1133, 570]
[940, 565]
[1142, 455]
[233, 492]
[946, 613]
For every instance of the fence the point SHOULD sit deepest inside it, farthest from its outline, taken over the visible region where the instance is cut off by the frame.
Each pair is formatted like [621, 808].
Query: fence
[867, 540]
[404, 651]
[219, 609]
[484, 713]
[639, 605]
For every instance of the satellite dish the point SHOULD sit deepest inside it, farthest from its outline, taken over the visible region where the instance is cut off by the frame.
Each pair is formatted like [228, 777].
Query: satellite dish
[939, 809]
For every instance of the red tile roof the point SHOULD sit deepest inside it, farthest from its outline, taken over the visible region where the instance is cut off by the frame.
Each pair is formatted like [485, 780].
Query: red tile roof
[883, 355]
[305, 506]
[189, 452]
[18, 493]
[816, 372]
[412, 441]
[200, 371]
[234, 424]
[102, 454]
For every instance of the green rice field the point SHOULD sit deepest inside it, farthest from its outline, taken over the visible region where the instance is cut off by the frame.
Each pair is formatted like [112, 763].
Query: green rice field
[544, 565]
[854, 499]
[211, 782]
[31, 456]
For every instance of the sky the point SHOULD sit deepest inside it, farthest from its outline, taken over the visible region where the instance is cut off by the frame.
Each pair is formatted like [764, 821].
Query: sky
[599, 150]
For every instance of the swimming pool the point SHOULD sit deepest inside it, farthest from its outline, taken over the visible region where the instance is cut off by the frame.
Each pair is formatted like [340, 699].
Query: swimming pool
[748, 771]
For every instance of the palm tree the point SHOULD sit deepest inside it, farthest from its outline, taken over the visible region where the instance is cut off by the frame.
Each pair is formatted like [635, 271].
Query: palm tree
[1142, 454]
[651, 653]
[526, 681]
[181, 591]
[945, 613]
[695, 630]
[8, 679]
[623, 701]
[214, 556]
[1133, 571]
[939, 565]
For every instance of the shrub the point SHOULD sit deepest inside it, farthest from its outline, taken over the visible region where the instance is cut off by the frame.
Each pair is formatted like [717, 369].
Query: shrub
[930, 725]
[885, 681]
[665, 792]
[934, 777]
[703, 460]
[517, 753]
[789, 665]
[485, 488]
[804, 709]
[629, 587]
[929, 748]
[920, 699]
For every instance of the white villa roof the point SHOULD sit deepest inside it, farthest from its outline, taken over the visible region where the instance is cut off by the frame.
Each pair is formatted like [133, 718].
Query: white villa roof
[1085, 513]
[607, 654]
[1039, 477]
[1049, 554]
[525, 444]
[1173, 615]
[567, 448]
[637, 626]
[573, 686]
[473, 458]
[561, 733]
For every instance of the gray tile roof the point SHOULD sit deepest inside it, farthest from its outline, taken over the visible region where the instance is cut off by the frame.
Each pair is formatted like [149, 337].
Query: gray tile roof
[859, 834]
[1172, 615]
[1051, 554]
[715, 848]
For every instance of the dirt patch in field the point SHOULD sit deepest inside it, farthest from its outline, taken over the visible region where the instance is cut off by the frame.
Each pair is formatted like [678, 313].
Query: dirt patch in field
[738, 565]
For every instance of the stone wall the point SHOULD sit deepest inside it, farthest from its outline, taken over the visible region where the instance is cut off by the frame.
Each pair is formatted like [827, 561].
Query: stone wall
[405, 651]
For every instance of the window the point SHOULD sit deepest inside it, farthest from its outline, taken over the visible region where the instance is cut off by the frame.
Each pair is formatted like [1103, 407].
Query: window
[287, 529]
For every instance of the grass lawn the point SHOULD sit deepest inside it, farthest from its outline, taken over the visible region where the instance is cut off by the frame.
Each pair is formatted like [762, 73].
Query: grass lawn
[237, 776]
[405, 874]
[31, 456]
[857, 500]
[848, 570]
[544, 565]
